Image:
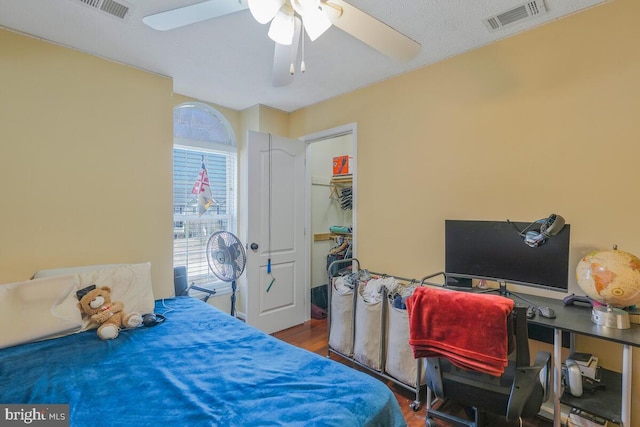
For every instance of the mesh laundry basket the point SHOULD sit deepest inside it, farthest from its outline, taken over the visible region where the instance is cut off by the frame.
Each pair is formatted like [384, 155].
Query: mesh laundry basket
[400, 363]
[341, 328]
[367, 347]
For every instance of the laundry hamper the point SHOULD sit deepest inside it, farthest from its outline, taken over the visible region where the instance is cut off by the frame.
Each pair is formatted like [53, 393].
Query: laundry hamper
[341, 325]
[400, 363]
[367, 348]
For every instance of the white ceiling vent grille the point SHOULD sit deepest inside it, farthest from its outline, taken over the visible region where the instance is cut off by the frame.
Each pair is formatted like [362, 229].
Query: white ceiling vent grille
[526, 11]
[117, 9]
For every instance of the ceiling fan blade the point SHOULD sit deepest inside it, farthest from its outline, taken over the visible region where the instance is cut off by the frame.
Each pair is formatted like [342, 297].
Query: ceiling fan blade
[284, 56]
[371, 31]
[182, 16]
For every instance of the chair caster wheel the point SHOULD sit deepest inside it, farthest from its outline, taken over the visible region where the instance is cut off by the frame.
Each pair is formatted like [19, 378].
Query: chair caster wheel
[430, 423]
[415, 405]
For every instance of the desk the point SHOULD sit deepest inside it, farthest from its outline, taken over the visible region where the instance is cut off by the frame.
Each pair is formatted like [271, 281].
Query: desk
[577, 319]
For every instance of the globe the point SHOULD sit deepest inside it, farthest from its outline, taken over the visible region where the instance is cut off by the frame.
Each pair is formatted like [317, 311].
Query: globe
[610, 277]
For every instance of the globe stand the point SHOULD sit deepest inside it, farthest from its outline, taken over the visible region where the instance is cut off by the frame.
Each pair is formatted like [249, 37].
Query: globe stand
[610, 317]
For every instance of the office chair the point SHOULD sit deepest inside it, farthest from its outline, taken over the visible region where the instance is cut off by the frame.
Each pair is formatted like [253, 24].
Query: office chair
[517, 393]
[182, 289]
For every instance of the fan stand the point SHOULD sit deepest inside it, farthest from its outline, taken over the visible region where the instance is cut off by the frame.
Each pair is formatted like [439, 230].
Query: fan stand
[233, 298]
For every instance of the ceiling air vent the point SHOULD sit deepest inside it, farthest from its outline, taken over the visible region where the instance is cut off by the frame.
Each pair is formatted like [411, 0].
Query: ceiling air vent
[526, 11]
[117, 9]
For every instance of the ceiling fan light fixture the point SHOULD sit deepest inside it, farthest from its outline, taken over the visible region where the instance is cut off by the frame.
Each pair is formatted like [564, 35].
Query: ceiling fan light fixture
[264, 11]
[303, 6]
[332, 10]
[282, 27]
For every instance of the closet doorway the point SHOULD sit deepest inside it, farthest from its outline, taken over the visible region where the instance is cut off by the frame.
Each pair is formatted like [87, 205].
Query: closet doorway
[331, 203]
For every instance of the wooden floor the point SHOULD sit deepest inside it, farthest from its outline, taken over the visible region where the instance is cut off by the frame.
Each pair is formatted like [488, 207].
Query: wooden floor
[312, 336]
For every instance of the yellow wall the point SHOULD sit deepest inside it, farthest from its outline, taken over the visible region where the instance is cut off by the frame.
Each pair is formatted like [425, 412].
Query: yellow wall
[85, 162]
[543, 122]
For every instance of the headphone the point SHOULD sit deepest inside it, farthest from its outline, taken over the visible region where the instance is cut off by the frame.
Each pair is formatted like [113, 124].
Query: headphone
[152, 319]
[548, 227]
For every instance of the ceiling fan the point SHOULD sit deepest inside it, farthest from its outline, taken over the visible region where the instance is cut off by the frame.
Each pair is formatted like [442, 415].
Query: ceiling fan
[286, 20]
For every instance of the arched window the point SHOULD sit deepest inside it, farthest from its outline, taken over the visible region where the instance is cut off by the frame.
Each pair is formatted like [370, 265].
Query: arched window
[202, 138]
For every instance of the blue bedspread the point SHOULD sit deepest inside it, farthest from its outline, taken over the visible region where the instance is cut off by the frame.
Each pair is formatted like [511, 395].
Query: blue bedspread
[200, 368]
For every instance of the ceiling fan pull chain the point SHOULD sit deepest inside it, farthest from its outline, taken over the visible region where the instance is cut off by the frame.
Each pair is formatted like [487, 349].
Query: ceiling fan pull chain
[292, 67]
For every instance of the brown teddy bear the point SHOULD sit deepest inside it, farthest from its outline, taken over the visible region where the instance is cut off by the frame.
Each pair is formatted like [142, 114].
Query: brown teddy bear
[97, 304]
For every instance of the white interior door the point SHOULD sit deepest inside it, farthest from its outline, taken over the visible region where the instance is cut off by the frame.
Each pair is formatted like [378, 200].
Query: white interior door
[276, 274]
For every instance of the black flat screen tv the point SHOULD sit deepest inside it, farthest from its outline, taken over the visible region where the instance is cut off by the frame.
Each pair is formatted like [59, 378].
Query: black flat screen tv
[494, 250]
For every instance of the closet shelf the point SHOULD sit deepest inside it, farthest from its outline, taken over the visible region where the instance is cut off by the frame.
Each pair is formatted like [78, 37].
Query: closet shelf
[342, 180]
[321, 237]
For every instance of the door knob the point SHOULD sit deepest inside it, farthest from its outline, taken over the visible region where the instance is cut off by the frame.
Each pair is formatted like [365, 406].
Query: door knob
[254, 246]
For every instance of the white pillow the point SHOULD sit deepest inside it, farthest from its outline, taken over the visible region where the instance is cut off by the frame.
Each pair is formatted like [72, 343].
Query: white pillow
[129, 283]
[65, 271]
[38, 309]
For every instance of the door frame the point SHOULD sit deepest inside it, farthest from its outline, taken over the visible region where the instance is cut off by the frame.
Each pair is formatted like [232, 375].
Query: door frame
[350, 128]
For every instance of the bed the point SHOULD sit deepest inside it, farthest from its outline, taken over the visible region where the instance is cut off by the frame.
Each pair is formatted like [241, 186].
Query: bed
[201, 367]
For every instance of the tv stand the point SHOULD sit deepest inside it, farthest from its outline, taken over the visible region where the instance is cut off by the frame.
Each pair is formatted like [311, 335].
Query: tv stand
[503, 291]
[466, 280]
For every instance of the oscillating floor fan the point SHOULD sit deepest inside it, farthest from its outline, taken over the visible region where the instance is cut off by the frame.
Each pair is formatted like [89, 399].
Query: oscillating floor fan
[227, 259]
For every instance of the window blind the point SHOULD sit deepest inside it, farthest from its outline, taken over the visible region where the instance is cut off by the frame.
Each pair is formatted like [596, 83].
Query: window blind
[191, 231]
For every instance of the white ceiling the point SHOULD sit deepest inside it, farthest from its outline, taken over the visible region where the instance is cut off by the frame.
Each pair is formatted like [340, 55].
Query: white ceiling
[227, 60]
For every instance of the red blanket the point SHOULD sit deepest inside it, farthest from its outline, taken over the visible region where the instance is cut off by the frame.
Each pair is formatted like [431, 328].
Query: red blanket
[468, 329]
